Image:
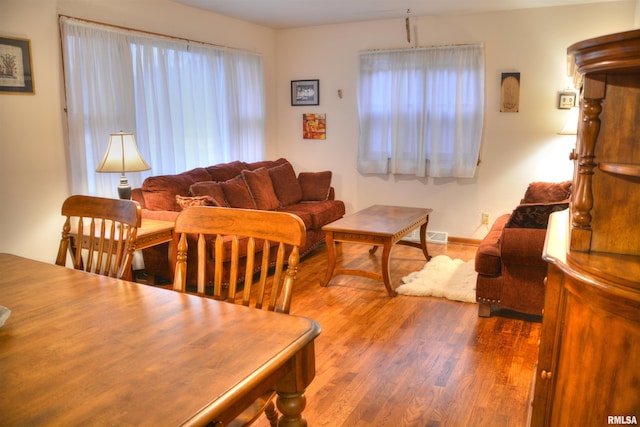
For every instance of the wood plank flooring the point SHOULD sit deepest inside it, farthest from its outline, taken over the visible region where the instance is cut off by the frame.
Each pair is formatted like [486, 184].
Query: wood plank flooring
[410, 361]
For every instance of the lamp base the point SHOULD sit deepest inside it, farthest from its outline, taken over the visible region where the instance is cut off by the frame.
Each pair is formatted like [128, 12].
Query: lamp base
[124, 189]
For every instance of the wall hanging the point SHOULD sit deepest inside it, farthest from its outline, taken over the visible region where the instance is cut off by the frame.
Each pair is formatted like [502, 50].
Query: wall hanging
[314, 126]
[16, 74]
[510, 93]
[305, 92]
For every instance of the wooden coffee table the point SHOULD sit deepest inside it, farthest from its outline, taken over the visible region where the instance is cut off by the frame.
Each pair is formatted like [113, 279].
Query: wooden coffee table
[377, 225]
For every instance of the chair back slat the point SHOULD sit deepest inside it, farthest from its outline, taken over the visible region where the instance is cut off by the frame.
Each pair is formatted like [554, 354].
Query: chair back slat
[99, 235]
[240, 238]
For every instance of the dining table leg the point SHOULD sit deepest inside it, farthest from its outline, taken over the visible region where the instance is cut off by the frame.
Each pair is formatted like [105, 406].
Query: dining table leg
[291, 399]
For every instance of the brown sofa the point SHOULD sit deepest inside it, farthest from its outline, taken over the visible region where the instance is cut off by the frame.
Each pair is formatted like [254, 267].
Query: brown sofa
[509, 261]
[266, 185]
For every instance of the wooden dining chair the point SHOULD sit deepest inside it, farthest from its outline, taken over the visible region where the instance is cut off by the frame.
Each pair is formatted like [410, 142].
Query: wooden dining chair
[108, 228]
[268, 236]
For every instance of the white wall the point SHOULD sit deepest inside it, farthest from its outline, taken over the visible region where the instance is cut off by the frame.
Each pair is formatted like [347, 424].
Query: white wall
[517, 148]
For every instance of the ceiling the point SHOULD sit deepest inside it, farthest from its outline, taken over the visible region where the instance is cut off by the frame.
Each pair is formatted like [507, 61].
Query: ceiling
[281, 14]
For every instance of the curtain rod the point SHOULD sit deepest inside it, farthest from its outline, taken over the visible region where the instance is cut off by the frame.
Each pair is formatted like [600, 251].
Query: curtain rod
[151, 33]
[435, 46]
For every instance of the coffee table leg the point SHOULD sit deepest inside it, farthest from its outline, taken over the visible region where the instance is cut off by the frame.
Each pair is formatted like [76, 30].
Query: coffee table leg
[386, 276]
[423, 240]
[331, 251]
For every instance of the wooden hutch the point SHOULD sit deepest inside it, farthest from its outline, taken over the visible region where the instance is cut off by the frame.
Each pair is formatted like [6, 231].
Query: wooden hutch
[589, 360]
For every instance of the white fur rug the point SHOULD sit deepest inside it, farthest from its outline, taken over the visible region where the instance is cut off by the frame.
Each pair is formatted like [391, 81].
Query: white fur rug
[453, 279]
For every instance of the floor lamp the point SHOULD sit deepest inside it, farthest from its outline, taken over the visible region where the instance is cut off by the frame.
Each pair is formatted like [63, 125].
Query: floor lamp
[123, 156]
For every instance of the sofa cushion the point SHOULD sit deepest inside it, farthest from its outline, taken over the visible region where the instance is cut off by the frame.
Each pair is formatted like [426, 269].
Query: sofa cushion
[547, 192]
[315, 186]
[317, 214]
[225, 171]
[160, 191]
[534, 215]
[285, 184]
[211, 189]
[261, 188]
[237, 194]
[189, 201]
[488, 254]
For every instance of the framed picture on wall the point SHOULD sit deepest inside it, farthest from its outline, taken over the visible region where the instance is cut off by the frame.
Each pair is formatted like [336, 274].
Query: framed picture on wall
[305, 92]
[314, 126]
[510, 93]
[566, 100]
[16, 73]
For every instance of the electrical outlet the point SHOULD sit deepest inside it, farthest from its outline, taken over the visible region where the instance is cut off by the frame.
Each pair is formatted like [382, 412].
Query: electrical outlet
[485, 218]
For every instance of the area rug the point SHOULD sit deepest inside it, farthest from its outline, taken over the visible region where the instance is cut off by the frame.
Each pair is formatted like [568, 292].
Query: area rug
[442, 277]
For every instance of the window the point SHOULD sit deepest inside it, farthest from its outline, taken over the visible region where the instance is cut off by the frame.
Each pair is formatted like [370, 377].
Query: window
[421, 111]
[189, 104]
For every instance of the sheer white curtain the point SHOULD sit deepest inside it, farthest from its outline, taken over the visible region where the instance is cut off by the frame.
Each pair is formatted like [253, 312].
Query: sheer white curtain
[189, 104]
[421, 111]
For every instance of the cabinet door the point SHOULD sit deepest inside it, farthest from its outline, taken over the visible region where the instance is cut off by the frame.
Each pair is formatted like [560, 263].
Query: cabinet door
[543, 389]
[597, 374]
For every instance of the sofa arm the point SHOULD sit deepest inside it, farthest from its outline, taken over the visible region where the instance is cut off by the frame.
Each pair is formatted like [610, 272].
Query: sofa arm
[160, 215]
[138, 196]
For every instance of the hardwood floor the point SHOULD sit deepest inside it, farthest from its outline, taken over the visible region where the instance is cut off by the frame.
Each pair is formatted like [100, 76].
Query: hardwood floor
[410, 361]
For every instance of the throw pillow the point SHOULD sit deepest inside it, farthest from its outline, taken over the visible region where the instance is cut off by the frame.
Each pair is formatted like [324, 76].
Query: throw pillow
[211, 189]
[187, 202]
[261, 188]
[315, 185]
[285, 184]
[534, 215]
[237, 194]
[547, 192]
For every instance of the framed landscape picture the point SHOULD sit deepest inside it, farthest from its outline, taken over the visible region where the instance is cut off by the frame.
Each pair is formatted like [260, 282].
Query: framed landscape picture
[16, 73]
[305, 92]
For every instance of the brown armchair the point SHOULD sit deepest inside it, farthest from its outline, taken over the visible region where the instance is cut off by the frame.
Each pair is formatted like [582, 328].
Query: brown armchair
[509, 261]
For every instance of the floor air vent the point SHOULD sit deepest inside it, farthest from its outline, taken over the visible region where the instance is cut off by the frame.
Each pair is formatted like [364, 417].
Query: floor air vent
[432, 236]
[437, 237]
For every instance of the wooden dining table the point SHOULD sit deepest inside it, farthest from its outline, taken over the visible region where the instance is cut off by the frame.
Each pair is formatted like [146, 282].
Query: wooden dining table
[83, 349]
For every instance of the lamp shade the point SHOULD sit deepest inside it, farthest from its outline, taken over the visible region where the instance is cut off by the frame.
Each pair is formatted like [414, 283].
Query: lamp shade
[122, 155]
[571, 126]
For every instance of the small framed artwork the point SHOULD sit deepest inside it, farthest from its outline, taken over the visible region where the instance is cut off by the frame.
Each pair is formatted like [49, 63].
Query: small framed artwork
[510, 93]
[314, 126]
[16, 71]
[305, 92]
[566, 100]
